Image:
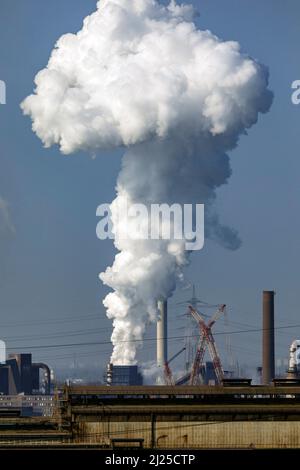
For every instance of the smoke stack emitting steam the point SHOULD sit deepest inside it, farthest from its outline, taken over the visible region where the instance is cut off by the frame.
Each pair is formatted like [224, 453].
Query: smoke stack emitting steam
[162, 333]
[142, 76]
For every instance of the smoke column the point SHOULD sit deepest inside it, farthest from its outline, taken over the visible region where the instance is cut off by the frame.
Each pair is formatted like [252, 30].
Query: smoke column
[140, 75]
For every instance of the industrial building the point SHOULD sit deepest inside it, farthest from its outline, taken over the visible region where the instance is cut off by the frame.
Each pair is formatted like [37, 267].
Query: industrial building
[123, 375]
[27, 405]
[293, 372]
[209, 374]
[234, 415]
[199, 371]
[226, 414]
[18, 374]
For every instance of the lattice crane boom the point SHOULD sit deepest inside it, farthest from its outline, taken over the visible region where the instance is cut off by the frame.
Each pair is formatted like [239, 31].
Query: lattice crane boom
[217, 315]
[198, 361]
[215, 358]
[169, 379]
[206, 340]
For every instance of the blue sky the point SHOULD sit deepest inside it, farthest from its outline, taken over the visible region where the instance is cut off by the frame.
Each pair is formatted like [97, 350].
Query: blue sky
[49, 288]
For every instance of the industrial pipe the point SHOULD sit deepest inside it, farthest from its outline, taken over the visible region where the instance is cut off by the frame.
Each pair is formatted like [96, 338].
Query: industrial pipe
[41, 365]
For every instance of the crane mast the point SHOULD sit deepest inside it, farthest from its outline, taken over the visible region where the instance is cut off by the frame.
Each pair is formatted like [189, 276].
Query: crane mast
[206, 341]
[169, 380]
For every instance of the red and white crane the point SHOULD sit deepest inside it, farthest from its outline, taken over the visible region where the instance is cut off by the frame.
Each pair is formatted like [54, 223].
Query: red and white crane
[169, 380]
[206, 340]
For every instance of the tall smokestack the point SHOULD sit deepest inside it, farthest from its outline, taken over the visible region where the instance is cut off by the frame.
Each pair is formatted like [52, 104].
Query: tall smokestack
[162, 333]
[268, 371]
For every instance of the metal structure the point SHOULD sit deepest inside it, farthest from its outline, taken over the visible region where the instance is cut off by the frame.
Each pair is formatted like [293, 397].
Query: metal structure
[191, 332]
[206, 342]
[191, 337]
[195, 302]
[268, 371]
[167, 371]
[187, 417]
[233, 416]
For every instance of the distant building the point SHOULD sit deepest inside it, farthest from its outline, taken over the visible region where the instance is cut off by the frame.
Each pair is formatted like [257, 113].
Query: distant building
[123, 375]
[209, 374]
[29, 405]
[71, 381]
[18, 374]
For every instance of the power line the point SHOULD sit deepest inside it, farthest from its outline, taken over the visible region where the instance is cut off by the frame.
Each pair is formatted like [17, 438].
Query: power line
[62, 334]
[50, 346]
[57, 335]
[53, 320]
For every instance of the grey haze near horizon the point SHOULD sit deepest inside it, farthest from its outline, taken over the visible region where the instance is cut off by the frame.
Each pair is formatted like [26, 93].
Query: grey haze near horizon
[50, 292]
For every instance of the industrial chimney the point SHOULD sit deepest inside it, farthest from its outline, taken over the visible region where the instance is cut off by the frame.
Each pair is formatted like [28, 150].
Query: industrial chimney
[2, 352]
[162, 333]
[268, 370]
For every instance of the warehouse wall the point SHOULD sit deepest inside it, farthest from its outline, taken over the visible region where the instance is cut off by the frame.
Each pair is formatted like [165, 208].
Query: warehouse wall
[195, 434]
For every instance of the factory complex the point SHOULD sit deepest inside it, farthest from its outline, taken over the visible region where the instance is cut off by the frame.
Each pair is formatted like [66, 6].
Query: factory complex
[205, 408]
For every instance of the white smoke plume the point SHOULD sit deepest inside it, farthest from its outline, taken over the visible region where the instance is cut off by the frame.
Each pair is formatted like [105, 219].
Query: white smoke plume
[140, 75]
[150, 371]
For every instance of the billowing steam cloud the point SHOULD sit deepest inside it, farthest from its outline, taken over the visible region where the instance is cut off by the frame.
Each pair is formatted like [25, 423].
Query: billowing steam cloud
[142, 76]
